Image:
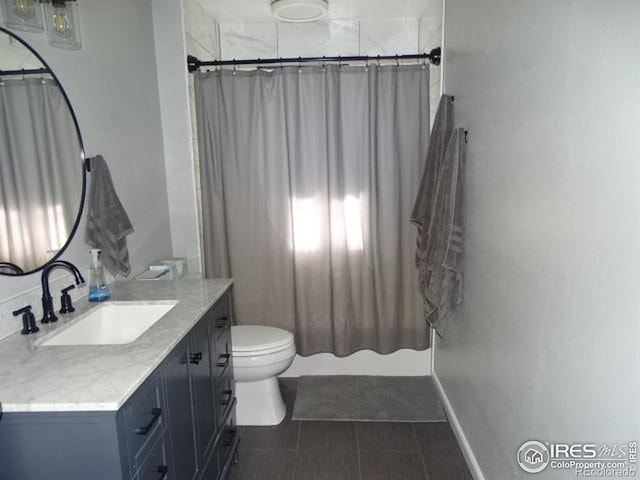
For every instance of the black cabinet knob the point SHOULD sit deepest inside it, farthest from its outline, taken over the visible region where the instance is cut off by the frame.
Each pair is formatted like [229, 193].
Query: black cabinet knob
[227, 395]
[196, 358]
[221, 322]
[228, 436]
[157, 413]
[163, 472]
[223, 360]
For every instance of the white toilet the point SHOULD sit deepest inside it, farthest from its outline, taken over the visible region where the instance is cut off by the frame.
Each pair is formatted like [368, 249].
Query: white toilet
[260, 354]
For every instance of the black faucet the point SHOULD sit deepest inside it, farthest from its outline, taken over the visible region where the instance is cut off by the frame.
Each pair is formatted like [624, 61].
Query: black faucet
[48, 316]
[11, 266]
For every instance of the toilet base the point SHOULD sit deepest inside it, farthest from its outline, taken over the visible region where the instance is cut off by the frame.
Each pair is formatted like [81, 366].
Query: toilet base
[259, 403]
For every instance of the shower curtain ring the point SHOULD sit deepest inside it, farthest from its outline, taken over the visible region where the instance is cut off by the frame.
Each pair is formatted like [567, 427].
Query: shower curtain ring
[323, 65]
[379, 65]
[299, 65]
[366, 64]
[397, 62]
[235, 67]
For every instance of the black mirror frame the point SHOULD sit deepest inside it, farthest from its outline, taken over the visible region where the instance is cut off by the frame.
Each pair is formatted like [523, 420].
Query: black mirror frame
[83, 159]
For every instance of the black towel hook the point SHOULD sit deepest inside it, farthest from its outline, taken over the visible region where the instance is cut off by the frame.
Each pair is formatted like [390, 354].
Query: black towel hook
[466, 136]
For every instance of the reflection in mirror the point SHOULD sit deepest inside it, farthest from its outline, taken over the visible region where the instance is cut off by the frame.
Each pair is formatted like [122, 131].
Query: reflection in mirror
[41, 170]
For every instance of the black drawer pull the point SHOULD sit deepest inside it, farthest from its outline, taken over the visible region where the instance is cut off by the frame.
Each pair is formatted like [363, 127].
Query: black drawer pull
[229, 395]
[229, 435]
[225, 362]
[196, 358]
[163, 472]
[221, 322]
[156, 412]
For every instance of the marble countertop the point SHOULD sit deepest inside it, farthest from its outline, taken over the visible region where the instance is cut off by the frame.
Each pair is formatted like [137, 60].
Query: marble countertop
[35, 378]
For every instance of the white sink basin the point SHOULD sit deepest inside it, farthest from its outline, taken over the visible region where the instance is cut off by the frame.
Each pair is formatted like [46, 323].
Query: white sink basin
[112, 324]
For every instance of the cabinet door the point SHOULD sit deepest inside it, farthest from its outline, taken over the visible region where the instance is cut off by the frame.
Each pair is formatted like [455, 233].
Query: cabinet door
[155, 466]
[181, 421]
[202, 387]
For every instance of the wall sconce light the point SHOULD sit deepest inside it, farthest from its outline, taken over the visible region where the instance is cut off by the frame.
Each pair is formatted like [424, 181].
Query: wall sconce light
[60, 17]
[63, 27]
[25, 15]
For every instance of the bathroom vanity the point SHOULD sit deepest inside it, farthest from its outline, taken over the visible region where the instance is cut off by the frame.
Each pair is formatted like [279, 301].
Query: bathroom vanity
[161, 406]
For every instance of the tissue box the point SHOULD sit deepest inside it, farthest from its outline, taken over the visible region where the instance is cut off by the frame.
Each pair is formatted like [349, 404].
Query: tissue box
[177, 267]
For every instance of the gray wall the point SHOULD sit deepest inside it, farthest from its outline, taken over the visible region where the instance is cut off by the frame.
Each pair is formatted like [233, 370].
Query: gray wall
[113, 86]
[548, 344]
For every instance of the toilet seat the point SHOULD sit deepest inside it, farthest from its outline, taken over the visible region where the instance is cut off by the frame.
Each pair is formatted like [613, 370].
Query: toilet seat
[255, 340]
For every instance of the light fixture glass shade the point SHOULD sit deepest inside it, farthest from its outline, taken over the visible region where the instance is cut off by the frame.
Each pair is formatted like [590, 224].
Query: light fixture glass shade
[25, 15]
[63, 27]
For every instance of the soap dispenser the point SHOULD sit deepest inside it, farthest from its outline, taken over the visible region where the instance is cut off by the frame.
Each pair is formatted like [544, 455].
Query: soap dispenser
[98, 289]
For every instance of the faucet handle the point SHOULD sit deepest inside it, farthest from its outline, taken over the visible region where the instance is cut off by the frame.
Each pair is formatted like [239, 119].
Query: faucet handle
[65, 300]
[28, 320]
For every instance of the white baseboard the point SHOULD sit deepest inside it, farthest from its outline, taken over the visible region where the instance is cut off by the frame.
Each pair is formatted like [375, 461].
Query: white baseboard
[365, 362]
[471, 459]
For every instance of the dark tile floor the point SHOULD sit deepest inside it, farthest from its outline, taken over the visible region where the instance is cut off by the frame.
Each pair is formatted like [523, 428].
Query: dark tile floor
[308, 450]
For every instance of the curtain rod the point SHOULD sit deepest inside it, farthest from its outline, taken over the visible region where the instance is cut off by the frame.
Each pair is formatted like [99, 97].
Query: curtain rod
[193, 63]
[29, 71]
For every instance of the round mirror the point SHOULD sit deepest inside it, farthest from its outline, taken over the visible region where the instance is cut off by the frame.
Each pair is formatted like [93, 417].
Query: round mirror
[42, 174]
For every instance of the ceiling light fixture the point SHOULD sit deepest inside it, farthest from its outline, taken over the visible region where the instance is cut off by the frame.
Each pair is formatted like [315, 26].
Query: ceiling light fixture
[298, 11]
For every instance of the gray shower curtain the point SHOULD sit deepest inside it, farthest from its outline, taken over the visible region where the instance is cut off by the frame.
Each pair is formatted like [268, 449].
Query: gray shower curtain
[308, 179]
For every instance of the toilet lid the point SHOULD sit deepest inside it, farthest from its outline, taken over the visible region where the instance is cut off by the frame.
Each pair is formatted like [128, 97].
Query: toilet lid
[256, 338]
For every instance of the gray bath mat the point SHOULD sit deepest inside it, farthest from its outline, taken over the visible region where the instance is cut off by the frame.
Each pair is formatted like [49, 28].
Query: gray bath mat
[367, 398]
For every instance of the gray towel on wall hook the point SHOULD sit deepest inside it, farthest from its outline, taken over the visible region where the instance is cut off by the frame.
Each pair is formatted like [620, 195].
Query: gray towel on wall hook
[442, 278]
[439, 214]
[107, 221]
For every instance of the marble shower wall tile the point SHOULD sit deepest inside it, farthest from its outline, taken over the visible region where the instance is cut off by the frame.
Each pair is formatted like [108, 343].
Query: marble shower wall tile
[430, 23]
[249, 40]
[202, 31]
[430, 31]
[388, 37]
[331, 38]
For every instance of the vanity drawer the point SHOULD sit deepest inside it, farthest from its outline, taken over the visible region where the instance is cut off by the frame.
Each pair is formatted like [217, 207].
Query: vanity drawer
[225, 393]
[221, 318]
[227, 444]
[222, 358]
[144, 420]
[155, 466]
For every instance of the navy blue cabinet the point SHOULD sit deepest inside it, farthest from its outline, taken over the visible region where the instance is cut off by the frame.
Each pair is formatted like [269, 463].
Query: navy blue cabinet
[181, 420]
[203, 393]
[180, 424]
